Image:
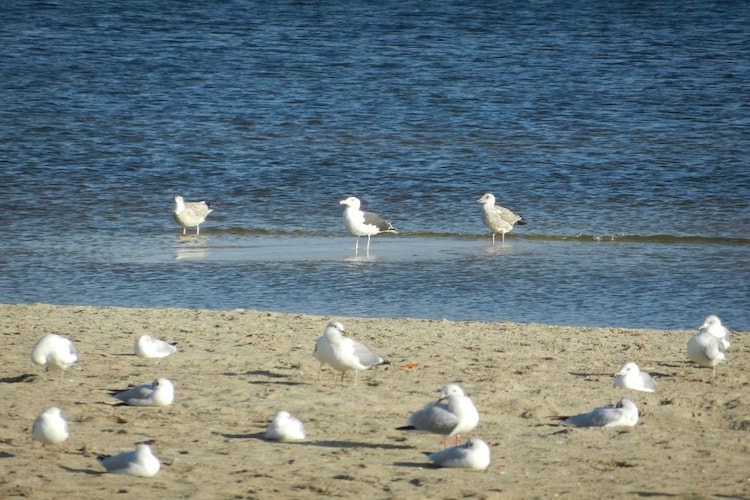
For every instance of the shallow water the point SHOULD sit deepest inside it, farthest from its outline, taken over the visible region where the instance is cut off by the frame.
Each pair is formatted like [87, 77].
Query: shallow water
[621, 134]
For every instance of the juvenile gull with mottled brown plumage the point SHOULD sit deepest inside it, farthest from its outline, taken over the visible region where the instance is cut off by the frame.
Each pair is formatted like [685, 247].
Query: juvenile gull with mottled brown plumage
[498, 219]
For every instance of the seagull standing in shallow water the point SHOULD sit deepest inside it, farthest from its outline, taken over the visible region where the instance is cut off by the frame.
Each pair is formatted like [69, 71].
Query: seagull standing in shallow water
[360, 223]
[498, 219]
[190, 213]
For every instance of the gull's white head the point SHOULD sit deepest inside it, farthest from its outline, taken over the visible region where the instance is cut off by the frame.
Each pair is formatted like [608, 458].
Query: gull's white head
[335, 326]
[282, 415]
[351, 202]
[450, 390]
[628, 368]
[711, 321]
[487, 199]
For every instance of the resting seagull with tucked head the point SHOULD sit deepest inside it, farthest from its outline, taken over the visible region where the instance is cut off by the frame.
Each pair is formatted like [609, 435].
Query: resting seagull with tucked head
[149, 347]
[158, 393]
[50, 427]
[54, 351]
[474, 454]
[624, 413]
[631, 377]
[498, 219]
[708, 347]
[361, 223]
[190, 213]
[140, 462]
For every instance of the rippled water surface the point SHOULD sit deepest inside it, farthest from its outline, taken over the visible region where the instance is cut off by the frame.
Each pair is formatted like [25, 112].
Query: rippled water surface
[621, 133]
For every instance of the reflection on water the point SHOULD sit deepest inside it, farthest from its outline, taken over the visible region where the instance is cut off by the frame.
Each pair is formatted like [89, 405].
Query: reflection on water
[191, 247]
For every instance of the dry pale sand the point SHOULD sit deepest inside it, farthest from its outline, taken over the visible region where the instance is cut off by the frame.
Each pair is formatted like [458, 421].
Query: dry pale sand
[237, 368]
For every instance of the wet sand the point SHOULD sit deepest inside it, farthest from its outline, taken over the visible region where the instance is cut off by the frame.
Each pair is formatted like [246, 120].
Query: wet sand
[236, 369]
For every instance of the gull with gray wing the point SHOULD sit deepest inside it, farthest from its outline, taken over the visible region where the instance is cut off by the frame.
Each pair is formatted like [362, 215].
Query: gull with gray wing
[360, 223]
[498, 219]
[190, 213]
[345, 353]
[452, 414]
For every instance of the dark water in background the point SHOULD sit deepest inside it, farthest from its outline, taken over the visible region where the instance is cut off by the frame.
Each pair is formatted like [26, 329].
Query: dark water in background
[620, 130]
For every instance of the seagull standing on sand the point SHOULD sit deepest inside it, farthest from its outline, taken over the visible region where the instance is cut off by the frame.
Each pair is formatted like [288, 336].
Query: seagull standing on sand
[158, 393]
[452, 414]
[474, 454]
[707, 348]
[140, 462]
[625, 413]
[284, 427]
[54, 351]
[360, 223]
[347, 354]
[712, 324]
[149, 347]
[631, 377]
[323, 351]
[50, 427]
[190, 213]
[497, 218]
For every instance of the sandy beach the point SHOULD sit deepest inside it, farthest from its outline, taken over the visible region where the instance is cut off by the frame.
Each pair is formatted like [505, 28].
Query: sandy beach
[236, 369]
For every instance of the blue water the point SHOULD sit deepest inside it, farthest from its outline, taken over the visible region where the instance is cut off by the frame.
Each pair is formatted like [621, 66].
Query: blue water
[619, 130]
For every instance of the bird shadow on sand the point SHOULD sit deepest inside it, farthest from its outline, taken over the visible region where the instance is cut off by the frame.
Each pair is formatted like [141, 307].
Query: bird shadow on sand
[89, 472]
[260, 436]
[590, 374]
[25, 377]
[355, 444]
[416, 465]
[256, 435]
[270, 377]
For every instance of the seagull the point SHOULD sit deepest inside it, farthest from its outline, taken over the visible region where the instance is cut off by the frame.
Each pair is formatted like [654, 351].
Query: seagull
[149, 347]
[361, 223]
[631, 377]
[158, 393]
[625, 413]
[323, 351]
[452, 414]
[140, 462]
[474, 454]
[50, 427]
[713, 325]
[708, 346]
[190, 213]
[347, 354]
[285, 427]
[56, 351]
[498, 219]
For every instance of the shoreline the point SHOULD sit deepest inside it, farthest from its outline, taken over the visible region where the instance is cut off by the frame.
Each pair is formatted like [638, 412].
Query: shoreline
[236, 368]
